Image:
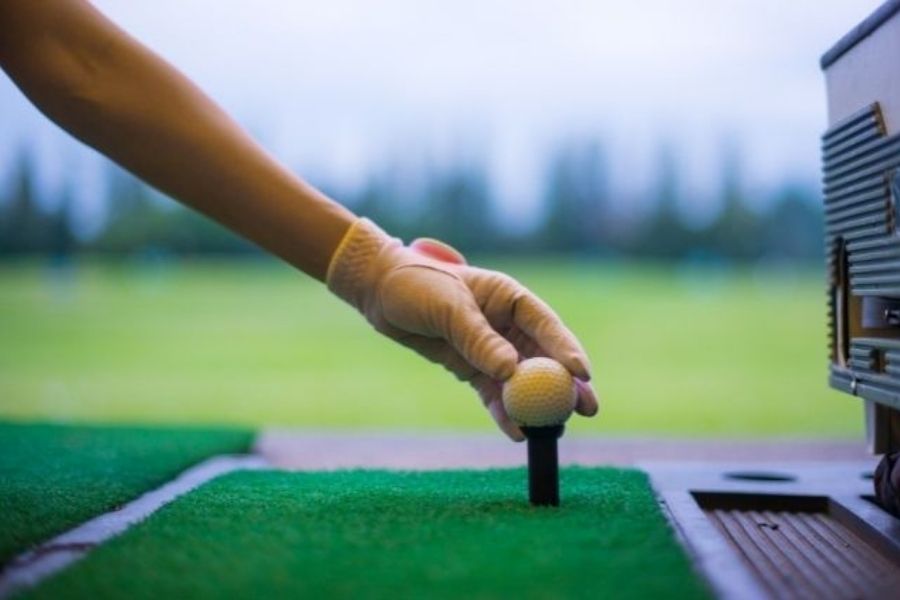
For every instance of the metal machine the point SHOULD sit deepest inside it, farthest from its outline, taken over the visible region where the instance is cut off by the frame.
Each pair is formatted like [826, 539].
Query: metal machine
[861, 181]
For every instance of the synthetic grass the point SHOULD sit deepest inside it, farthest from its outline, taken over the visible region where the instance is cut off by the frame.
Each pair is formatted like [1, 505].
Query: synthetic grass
[54, 477]
[676, 352]
[376, 534]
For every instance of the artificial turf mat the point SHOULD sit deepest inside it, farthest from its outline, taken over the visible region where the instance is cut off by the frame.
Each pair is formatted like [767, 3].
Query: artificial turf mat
[54, 477]
[381, 534]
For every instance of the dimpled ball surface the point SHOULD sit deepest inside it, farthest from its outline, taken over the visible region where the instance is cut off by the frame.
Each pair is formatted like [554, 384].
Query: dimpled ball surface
[541, 392]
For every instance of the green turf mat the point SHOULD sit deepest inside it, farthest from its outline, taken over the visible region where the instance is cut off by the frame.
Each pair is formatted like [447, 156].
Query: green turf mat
[363, 534]
[53, 477]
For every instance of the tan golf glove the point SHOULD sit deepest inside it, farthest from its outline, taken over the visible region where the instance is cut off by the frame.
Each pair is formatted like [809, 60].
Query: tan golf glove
[477, 323]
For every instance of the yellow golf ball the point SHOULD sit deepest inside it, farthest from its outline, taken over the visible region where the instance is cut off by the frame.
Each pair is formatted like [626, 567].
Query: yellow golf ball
[541, 392]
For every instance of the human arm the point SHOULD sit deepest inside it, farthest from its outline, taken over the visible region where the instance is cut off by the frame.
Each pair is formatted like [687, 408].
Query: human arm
[111, 92]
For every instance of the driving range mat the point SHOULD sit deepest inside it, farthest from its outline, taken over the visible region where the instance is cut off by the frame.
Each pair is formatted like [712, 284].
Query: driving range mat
[55, 477]
[387, 534]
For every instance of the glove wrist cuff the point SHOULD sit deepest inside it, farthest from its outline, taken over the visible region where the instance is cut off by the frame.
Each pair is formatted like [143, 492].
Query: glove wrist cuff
[351, 272]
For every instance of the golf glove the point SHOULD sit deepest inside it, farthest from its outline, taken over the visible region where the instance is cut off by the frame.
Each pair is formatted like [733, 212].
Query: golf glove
[476, 323]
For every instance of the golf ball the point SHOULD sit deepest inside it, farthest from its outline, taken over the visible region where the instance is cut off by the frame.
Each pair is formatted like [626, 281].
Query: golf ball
[541, 392]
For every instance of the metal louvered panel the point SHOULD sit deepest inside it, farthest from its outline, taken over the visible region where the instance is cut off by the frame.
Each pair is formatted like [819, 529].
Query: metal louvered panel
[850, 191]
[864, 195]
[849, 126]
[878, 219]
[842, 380]
[882, 243]
[875, 207]
[860, 162]
[874, 266]
[858, 210]
[865, 134]
[878, 157]
[878, 290]
[842, 135]
[863, 234]
[887, 253]
[887, 394]
[890, 279]
[873, 371]
[888, 345]
[862, 355]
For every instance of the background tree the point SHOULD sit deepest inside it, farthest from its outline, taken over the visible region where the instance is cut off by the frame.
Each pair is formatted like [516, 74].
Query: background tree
[663, 234]
[575, 199]
[793, 227]
[736, 231]
[25, 227]
[455, 203]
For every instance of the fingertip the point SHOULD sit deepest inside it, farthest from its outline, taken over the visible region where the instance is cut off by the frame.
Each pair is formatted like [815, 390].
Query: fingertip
[578, 365]
[586, 404]
[514, 433]
[574, 363]
[508, 363]
[583, 368]
[499, 359]
[538, 321]
[506, 425]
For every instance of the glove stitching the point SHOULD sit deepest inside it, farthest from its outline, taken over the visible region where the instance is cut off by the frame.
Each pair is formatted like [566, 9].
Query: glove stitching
[431, 268]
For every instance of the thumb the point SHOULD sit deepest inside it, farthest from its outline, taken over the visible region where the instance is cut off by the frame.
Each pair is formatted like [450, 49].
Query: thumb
[469, 332]
[438, 250]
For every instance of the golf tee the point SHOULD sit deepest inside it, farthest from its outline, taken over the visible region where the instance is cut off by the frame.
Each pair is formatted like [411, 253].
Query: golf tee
[543, 464]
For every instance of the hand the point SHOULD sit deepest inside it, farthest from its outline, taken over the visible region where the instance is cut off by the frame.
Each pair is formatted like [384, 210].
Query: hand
[475, 322]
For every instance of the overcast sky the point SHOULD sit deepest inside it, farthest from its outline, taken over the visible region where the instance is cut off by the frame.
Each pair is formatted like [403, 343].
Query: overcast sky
[337, 88]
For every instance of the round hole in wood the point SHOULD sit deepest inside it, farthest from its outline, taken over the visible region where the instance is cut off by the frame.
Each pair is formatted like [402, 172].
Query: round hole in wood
[760, 476]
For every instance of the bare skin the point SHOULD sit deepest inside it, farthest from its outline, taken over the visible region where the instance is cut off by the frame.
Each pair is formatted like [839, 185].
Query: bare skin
[111, 92]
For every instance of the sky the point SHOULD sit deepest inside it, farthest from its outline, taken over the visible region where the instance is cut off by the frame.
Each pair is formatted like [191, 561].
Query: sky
[342, 88]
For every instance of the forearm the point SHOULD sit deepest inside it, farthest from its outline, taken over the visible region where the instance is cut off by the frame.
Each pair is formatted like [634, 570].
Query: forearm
[111, 92]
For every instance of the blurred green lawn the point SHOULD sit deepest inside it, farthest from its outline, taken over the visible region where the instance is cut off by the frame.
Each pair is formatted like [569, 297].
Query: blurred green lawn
[675, 352]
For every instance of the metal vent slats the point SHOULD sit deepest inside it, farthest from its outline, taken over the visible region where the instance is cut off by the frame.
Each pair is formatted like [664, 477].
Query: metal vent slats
[848, 126]
[860, 215]
[858, 212]
[871, 159]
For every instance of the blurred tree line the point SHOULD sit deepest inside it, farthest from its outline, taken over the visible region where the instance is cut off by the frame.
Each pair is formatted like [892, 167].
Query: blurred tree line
[455, 204]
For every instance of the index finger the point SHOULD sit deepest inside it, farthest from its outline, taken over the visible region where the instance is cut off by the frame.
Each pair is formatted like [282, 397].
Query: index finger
[538, 321]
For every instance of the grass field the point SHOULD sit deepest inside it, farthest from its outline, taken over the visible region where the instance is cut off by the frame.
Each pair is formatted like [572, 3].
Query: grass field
[703, 352]
[376, 534]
